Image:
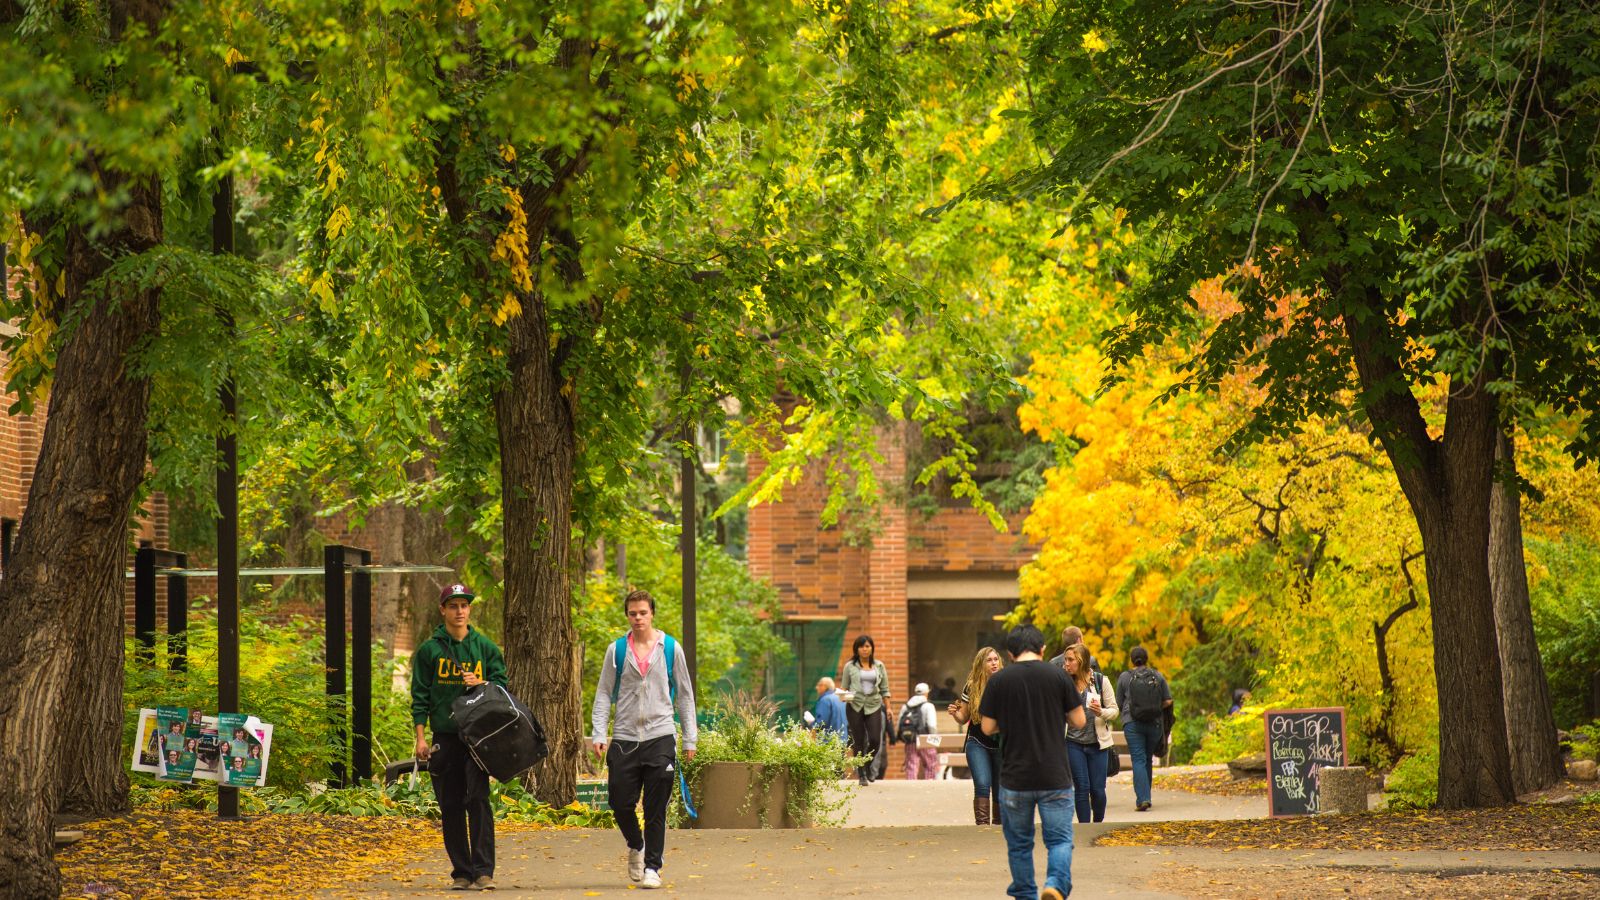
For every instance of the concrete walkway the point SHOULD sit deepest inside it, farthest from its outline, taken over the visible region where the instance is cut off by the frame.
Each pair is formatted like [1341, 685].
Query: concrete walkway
[957, 862]
[901, 833]
[949, 802]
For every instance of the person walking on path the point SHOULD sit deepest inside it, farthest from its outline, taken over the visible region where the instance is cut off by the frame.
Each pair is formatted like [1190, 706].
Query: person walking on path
[917, 718]
[829, 713]
[866, 686]
[1089, 748]
[1028, 704]
[1145, 700]
[644, 678]
[983, 751]
[455, 658]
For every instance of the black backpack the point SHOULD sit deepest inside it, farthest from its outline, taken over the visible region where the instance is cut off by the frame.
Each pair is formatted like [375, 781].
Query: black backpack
[501, 734]
[910, 725]
[1145, 697]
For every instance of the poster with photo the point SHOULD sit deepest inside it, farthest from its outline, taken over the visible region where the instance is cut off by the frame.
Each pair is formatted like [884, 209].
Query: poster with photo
[233, 748]
[241, 753]
[177, 754]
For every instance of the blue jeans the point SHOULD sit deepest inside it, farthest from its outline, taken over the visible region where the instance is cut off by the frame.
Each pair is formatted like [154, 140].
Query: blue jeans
[1055, 817]
[1143, 737]
[1088, 780]
[984, 764]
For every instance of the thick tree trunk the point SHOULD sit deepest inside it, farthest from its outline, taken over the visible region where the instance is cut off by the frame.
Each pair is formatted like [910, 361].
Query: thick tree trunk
[1447, 482]
[538, 446]
[1530, 722]
[61, 603]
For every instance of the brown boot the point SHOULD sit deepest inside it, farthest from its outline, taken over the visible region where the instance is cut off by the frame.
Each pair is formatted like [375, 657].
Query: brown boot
[981, 812]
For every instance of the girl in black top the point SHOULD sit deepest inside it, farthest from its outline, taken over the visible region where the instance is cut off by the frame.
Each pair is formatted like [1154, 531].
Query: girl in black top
[983, 751]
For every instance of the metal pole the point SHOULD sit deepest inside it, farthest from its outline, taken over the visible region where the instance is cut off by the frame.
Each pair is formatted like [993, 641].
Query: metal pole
[227, 508]
[178, 618]
[691, 461]
[361, 669]
[144, 602]
[333, 663]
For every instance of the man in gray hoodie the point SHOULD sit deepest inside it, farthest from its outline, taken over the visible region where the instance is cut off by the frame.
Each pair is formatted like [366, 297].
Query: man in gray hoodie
[644, 678]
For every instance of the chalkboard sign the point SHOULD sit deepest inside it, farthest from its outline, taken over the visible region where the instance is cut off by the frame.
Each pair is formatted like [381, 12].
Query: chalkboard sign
[1300, 743]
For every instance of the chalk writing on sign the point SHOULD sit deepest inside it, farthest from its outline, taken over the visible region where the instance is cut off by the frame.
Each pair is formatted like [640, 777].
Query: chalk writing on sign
[1300, 743]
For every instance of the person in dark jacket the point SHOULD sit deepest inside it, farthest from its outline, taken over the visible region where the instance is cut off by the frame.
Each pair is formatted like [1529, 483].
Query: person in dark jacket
[1146, 700]
[455, 658]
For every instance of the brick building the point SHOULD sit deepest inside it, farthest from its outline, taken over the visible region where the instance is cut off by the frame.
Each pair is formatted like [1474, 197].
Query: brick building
[926, 587]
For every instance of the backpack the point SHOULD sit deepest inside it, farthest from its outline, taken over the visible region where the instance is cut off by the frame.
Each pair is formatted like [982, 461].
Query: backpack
[503, 737]
[619, 653]
[1144, 700]
[910, 725]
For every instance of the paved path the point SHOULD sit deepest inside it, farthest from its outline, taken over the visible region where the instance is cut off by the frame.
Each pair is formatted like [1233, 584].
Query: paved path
[900, 832]
[949, 802]
[962, 861]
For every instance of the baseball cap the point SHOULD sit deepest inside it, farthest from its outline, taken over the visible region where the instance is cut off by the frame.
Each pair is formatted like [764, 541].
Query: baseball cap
[922, 688]
[455, 590]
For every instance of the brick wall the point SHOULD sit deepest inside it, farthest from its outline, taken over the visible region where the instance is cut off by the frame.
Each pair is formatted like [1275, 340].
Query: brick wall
[960, 539]
[819, 574]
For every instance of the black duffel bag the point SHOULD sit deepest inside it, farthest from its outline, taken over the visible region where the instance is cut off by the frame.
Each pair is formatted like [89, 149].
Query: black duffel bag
[501, 734]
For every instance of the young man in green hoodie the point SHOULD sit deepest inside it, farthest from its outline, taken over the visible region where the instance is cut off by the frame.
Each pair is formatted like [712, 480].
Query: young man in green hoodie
[455, 658]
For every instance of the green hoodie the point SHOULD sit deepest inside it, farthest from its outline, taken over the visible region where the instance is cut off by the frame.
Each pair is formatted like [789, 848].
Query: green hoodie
[437, 669]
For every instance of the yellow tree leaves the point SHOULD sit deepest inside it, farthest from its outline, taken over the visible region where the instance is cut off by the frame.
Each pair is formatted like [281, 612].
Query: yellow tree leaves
[1150, 535]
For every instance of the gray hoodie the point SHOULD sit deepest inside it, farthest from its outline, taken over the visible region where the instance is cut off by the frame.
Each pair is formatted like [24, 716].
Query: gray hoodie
[644, 702]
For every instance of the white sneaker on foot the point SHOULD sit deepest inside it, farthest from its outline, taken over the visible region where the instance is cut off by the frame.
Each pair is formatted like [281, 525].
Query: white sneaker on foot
[635, 865]
[652, 879]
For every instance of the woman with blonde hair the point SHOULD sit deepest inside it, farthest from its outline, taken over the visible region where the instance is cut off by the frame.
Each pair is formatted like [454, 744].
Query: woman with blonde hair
[1089, 747]
[983, 751]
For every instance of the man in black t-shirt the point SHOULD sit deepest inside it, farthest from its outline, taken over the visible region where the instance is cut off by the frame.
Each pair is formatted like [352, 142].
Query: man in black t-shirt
[1029, 705]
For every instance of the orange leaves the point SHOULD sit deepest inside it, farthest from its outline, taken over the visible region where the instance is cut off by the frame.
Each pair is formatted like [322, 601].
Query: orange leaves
[184, 853]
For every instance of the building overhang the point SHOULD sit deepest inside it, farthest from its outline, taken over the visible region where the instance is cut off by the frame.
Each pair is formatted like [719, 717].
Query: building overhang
[962, 586]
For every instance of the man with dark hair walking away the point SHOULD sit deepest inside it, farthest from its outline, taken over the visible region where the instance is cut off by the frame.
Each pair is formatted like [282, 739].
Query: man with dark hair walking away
[455, 658]
[644, 678]
[1029, 705]
[1145, 700]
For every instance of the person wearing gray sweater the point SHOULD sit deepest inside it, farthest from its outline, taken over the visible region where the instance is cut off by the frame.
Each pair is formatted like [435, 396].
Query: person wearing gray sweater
[644, 679]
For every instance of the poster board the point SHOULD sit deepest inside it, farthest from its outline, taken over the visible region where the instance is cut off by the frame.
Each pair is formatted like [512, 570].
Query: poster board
[1300, 744]
[210, 752]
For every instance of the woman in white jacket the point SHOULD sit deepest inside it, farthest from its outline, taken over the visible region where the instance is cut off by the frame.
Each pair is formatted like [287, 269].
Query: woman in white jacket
[1089, 748]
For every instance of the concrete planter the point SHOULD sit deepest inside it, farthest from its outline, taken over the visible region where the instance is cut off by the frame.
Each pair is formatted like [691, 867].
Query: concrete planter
[731, 795]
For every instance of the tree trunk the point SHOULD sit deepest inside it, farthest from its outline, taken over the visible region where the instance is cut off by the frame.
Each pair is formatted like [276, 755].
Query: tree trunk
[1530, 722]
[62, 599]
[538, 446]
[1447, 482]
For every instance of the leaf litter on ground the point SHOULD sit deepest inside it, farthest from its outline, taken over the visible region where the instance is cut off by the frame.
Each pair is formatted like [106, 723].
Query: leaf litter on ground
[1567, 826]
[187, 853]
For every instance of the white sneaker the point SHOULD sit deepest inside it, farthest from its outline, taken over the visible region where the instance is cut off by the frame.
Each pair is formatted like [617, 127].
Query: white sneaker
[636, 865]
[652, 879]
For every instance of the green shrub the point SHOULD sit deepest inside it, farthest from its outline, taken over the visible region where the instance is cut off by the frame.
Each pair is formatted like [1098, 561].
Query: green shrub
[1586, 741]
[1414, 782]
[511, 802]
[1565, 594]
[1230, 737]
[281, 668]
